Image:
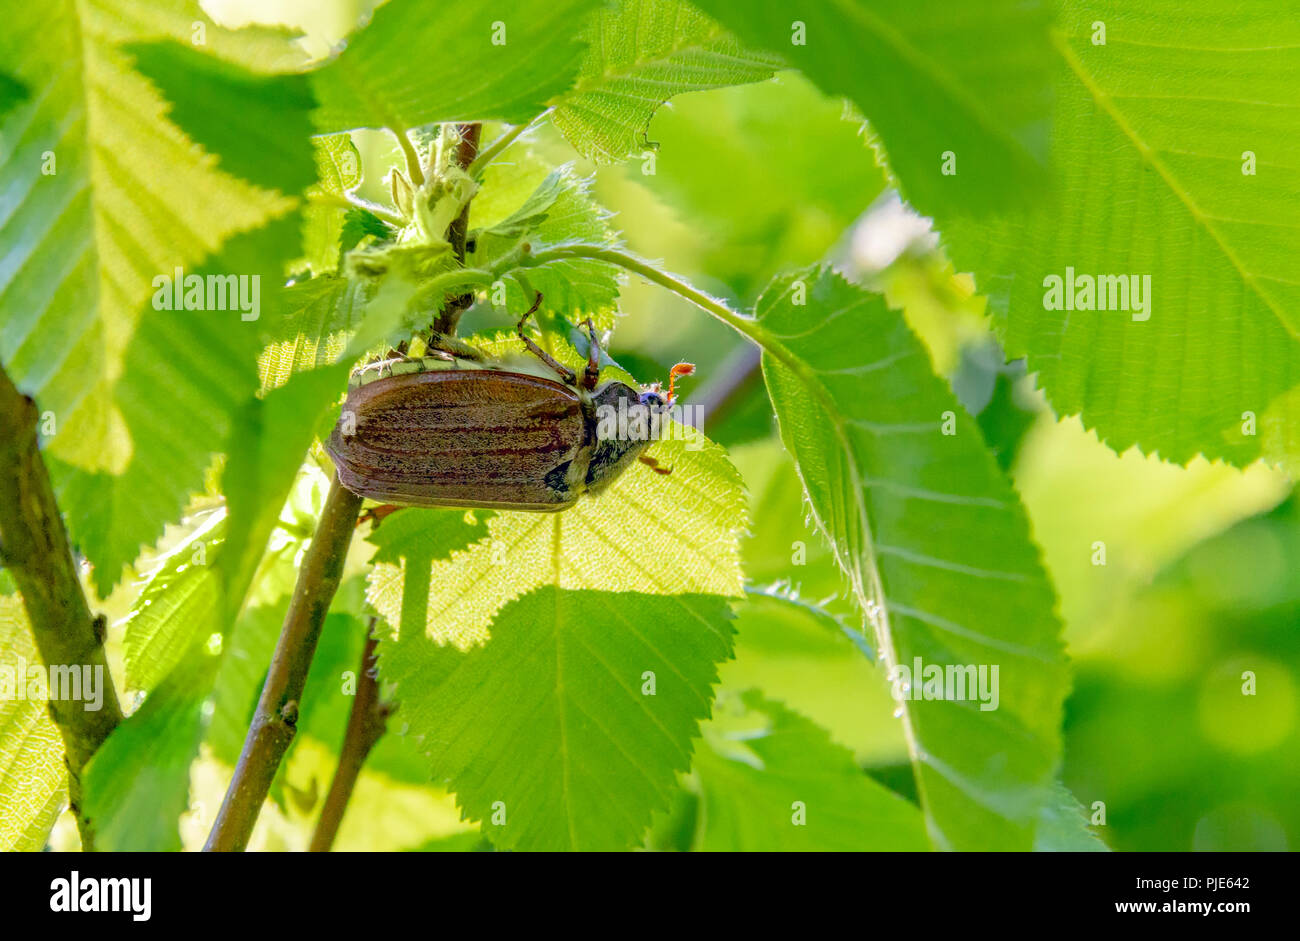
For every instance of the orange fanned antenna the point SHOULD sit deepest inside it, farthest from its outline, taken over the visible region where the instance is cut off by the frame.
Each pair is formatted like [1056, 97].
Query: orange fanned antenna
[681, 369]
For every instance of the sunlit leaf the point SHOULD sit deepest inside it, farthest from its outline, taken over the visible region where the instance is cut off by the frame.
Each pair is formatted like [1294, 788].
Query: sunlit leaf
[934, 544]
[566, 612]
[33, 779]
[101, 195]
[338, 171]
[511, 62]
[320, 316]
[547, 733]
[771, 780]
[650, 533]
[181, 596]
[934, 78]
[639, 54]
[188, 374]
[1173, 178]
[255, 124]
[268, 444]
[560, 211]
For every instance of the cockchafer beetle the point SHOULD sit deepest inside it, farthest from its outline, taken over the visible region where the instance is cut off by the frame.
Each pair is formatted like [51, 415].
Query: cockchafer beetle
[515, 434]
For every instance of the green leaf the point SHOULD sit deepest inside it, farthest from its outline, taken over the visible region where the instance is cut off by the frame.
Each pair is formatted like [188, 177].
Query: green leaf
[102, 195]
[331, 230]
[206, 361]
[639, 54]
[560, 211]
[1063, 827]
[932, 77]
[492, 64]
[256, 124]
[819, 665]
[357, 224]
[1135, 117]
[262, 48]
[546, 734]
[246, 652]
[240, 678]
[539, 609]
[764, 199]
[12, 91]
[934, 543]
[259, 126]
[177, 602]
[320, 316]
[407, 545]
[267, 447]
[787, 549]
[137, 785]
[772, 781]
[391, 311]
[468, 842]
[33, 779]
[181, 641]
[649, 533]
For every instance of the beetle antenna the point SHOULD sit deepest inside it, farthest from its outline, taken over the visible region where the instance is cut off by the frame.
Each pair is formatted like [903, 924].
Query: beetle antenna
[681, 369]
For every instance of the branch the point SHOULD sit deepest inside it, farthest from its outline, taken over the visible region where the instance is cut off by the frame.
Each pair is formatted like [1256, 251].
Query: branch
[465, 152]
[366, 724]
[745, 325]
[458, 230]
[732, 380]
[274, 722]
[34, 546]
[498, 146]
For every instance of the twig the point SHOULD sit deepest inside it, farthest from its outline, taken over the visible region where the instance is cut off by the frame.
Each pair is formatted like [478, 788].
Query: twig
[495, 149]
[274, 722]
[732, 379]
[747, 326]
[458, 230]
[465, 152]
[366, 724]
[34, 546]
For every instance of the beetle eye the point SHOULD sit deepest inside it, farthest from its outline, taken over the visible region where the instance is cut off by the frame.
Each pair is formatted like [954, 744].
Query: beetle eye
[652, 399]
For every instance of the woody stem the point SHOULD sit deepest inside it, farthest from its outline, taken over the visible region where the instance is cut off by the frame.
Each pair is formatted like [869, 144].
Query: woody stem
[35, 551]
[275, 720]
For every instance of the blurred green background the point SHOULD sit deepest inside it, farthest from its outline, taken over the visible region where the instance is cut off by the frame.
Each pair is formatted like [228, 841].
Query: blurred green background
[1201, 576]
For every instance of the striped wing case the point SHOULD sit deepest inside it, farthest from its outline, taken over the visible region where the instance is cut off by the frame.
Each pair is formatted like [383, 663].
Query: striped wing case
[461, 437]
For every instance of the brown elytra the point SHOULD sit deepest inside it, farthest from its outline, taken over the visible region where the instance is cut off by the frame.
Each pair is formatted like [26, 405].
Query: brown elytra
[465, 437]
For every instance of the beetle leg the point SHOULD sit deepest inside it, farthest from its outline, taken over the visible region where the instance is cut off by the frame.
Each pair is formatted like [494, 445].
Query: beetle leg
[376, 514]
[565, 372]
[591, 375]
[654, 465]
[448, 347]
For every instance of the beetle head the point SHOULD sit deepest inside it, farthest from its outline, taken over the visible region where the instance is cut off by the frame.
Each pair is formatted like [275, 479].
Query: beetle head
[653, 395]
[627, 421]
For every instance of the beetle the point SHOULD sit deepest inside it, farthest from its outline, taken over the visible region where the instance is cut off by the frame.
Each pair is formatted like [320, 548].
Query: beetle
[514, 434]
